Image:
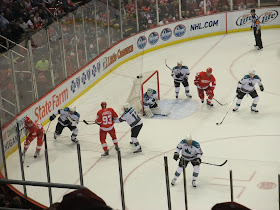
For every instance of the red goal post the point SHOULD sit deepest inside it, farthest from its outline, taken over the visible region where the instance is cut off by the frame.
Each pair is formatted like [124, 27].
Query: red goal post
[140, 85]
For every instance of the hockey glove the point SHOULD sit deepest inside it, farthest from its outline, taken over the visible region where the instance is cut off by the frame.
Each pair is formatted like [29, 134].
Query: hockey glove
[209, 92]
[196, 82]
[237, 90]
[52, 117]
[176, 156]
[197, 160]
[261, 88]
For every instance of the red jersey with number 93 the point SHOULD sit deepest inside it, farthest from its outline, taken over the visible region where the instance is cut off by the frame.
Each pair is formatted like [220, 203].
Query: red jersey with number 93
[105, 118]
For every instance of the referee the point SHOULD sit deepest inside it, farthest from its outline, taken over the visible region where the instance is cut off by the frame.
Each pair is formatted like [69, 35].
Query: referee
[257, 29]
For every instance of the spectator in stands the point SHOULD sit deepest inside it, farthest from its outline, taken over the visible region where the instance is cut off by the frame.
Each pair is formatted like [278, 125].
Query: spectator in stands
[3, 202]
[188, 14]
[163, 22]
[242, 6]
[15, 203]
[3, 21]
[201, 12]
[213, 10]
[42, 65]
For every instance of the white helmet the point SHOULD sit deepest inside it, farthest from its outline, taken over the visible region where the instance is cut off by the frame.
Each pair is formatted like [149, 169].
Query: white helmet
[126, 106]
[179, 62]
[150, 92]
[189, 137]
[252, 72]
[72, 109]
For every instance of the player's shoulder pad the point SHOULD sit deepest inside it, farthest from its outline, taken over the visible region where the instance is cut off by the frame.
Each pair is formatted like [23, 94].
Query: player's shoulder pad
[195, 144]
[125, 112]
[154, 91]
[246, 76]
[176, 67]
[66, 109]
[183, 141]
[185, 67]
[256, 77]
[77, 114]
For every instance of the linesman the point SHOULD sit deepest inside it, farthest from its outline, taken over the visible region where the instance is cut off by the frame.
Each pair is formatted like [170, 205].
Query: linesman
[257, 29]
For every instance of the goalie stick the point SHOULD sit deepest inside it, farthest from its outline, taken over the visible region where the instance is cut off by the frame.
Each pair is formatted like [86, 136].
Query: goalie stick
[212, 164]
[167, 65]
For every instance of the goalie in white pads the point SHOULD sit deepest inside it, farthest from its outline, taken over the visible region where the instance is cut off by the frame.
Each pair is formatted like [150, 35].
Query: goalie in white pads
[190, 152]
[180, 75]
[247, 86]
[134, 121]
[68, 118]
[151, 107]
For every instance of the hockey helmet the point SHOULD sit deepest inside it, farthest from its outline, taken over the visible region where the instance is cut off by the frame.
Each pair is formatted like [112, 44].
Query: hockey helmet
[253, 10]
[209, 70]
[126, 106]
[103, 105]
[189, 137]
[252, 72]
[150, 92]
[72, 109]
[28, 122]
[179, 62]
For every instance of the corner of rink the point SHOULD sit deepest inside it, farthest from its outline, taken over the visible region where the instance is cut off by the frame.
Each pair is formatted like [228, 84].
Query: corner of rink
[178, 108]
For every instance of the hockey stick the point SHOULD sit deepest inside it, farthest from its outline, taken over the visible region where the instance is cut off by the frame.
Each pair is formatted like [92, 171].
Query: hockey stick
[89, 122]
[226, 112]
[48, 127]
[220, 103]
[167, 65]
[212, 164]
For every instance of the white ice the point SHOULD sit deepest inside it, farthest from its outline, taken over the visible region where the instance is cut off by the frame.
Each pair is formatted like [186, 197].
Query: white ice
[249, 141]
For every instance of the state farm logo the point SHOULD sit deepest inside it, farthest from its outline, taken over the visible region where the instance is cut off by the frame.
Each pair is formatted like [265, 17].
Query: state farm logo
[268, 16]
[153, 38]
[179, 30]
[244, 19]
[142, 42]
[166, 34]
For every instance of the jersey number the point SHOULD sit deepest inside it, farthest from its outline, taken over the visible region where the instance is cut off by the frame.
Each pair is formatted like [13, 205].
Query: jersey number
[107, 120]
[135, 116]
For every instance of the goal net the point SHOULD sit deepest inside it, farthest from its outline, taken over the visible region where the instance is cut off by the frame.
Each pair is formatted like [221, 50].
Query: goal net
[140, 85]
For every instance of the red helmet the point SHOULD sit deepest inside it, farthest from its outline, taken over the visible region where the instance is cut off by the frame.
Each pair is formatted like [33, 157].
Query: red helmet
[209, 70]
[103, 105]
[28, 122]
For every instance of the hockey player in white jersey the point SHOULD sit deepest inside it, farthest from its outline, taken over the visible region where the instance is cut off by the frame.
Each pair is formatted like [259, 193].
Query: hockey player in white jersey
[151, 106]
[190, 152]
[181, 74]
[134, 121]
[68, 118]
[247, 86]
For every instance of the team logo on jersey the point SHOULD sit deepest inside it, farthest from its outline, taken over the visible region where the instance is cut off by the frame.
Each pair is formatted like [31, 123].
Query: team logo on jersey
[179, 30]
[84, 78]
[244, 19]
[153, 38]
[268, 16]
[166, 34]
[142, 42]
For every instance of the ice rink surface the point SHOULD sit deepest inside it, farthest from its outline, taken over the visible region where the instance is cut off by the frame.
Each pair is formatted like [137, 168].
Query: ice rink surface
[249, 141]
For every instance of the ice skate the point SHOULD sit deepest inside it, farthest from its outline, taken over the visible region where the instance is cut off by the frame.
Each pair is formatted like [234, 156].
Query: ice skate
[173, 182]
[210, 104]
[235, 109]
[55, 135]
[131, 142]
[188, 94]
[36, 154]
[202, 101]
[106, 153]
[254, 110]
[193, 183]
[74, 139]
[138, 150]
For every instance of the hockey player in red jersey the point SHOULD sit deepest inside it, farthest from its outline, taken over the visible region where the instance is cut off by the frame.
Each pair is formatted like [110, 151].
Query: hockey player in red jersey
[34, 130]
[105, 118]
[202, 81]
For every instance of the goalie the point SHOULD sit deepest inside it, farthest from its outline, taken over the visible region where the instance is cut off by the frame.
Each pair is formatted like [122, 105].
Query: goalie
[151, 106]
